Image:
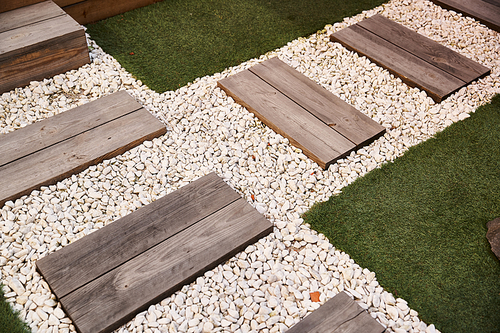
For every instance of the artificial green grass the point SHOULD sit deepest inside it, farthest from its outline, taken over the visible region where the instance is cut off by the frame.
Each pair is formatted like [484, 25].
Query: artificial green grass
[420, 224]
[9, 319]
[170, 43]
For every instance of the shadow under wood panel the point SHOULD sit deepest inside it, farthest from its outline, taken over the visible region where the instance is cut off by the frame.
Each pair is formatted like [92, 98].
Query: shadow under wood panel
[40, 48]
[486, 12]
[69, 153]
[185, 244]
[416, 59]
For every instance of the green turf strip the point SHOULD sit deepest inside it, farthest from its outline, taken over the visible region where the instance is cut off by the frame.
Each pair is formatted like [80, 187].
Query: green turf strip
[9, 319]
[170, 43]
[420, 224]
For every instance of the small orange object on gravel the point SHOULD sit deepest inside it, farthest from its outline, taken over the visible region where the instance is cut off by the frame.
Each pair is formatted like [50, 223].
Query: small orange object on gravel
[314, 296]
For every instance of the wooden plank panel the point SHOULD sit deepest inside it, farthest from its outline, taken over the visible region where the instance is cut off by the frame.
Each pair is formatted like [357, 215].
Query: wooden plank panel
[6, 5]
[486, 12]
[315, 138]
[412, 70]
[426, 49]
[339, 315]
[98, 253]
[28, 15]
[48, 166]
[340, 116]
[106, 303]
[45, 133]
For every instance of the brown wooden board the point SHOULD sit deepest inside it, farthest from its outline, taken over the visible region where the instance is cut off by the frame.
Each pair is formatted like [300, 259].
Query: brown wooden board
[381, 46]
[40, 49]
[304, 130]
[6, 5]
[190, 243]
[59, 160]
[486, 12]
[340, 314]
[29, 15]
[342, 117]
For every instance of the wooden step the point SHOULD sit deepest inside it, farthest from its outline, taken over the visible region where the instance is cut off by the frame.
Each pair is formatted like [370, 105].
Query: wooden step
[106, 278]
[338, 315]
[312, 118]
[485, 11]
[37, 42]
[417, 60]
[55, 148]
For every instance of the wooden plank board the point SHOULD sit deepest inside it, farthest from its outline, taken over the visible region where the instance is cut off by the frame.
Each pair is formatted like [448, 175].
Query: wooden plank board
[428, 50]
[342, 117]
[340, 314]
[304, 130]
[47, 166]
[412, 70]
[28, 15]
[40, 135]
[100, 252]
[6, 5]
[486, 12]
[194, 243]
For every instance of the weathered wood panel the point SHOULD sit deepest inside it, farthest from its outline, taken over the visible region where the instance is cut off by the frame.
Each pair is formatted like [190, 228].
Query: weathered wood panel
[340, 314]
[340, 116]
[428, 50]
[40, 49]
[6, 5]
[317, 140]
[43, 134]
[486, 12]
[47, 166]
[100, 252]
[29, 15]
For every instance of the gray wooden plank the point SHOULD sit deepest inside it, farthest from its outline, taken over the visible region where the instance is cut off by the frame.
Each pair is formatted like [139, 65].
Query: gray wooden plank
[315, 138]
[29, 14]
[339, 115]
[486, 12]
[412, 70]
[424, 48]
[45, 133]
[100, 252]
[111, 300]
[340, 314]
[48, 166]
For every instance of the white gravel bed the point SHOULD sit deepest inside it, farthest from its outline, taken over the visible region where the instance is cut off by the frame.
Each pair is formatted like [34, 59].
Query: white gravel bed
[267, 287]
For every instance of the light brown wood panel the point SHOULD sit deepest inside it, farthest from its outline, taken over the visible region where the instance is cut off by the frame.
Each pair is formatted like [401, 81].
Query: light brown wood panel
[6, 5]
[412, 70]
[422, 47]
[48, 166]
[340, 116]
[486, 12]
[100, 252]
[45, 133]
[317, 140]
[29, 15]
[114, 298]
[340, 314]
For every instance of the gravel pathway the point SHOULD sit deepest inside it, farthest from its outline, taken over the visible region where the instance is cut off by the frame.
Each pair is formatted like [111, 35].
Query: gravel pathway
[267, 287]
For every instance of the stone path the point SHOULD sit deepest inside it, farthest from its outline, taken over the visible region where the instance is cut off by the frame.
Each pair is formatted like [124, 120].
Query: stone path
[275, 282]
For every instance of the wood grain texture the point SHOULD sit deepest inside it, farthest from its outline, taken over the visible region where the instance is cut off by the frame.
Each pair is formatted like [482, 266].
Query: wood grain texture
[340, 314]
[111, 300]
[318, 141]
[6, 5]
[100, 252]
[29, 15]
[340, 116]
[412, 70]
[45, 133]
[48, 166]
[486, 12]
[422, 47]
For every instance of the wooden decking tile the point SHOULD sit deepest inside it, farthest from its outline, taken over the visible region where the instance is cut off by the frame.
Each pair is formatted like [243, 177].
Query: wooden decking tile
[417, 60]
[39, 41]
[313, 119]
[107, 277]
[55, 148]
[340, 314]
[485, 11]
